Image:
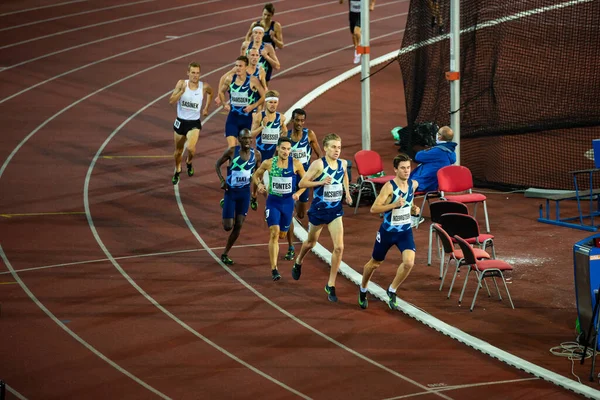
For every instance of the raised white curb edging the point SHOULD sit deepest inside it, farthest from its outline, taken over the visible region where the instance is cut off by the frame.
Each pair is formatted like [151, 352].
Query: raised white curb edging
[409, 309]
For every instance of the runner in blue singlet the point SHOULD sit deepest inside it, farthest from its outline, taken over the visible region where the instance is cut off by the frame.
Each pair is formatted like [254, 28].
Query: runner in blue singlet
[245, 95]
[243, 160]
[304, 143]
[329, 178]
[395, 200]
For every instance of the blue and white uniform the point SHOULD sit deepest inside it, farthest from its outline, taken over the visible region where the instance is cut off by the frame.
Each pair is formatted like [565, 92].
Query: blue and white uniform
[302, 151]
[396, 226]
[239, 176]
[188, 109]
[240, 96]
[268, 37]
[266, 141]
[280, 203]
[262, 61]
[327, 199]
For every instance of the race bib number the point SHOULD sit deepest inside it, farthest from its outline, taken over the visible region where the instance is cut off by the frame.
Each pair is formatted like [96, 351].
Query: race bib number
[300, 155]
[355, 6]
[240, 178]
[281, 184]
[177, 124]
[270, 135]
[400, 216]
[239, 99]
[333, 193]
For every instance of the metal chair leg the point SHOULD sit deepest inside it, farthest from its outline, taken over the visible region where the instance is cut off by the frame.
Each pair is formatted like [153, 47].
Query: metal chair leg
[462, 293]
[487, 221]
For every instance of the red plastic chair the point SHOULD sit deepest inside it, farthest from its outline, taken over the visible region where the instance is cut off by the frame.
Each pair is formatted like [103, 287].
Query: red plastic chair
[457, 179]
[368, 162]
[455, 255]
[467, 228]
[483, 269]
[436, 210]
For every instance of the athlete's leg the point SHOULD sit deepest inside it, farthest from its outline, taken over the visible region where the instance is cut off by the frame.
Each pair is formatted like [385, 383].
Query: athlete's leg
[192, 139]
[408, 261]
[336, 229]
[179, 141]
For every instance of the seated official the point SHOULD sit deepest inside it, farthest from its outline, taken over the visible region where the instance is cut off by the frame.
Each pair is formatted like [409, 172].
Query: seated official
[432, 159]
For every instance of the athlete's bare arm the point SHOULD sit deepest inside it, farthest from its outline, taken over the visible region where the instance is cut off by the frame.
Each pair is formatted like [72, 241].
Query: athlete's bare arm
[314, 143]
[177, 92]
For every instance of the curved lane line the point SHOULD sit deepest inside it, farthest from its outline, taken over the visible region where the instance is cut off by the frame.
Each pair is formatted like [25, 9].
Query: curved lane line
[42, 7]
[112, 21]
[40, 21]
[156, 44]
[73, 334]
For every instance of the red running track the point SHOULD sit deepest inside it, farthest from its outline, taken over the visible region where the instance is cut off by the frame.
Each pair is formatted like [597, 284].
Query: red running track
[112, 294]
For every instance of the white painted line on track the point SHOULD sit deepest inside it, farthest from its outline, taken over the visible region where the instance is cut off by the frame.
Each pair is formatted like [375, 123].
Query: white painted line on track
[162, 253]
[148, 46]
[40, 21]
[405, 307]
[112, 21]
[147, 296]
[75, 336]
[15, 393]
[466, 386]
[42, 7]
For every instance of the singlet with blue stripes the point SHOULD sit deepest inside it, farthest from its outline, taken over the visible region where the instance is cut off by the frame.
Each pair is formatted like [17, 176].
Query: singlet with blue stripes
[282, 182]
[239, 171]
[301, 149]
[266, 141]
[398, 219]
[241, 96]
[329, 197]
[261, 60]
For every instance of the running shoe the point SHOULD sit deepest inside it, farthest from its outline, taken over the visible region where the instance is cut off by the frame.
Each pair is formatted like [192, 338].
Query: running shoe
[330, 290]
[296, 271]
[253, 203]
[222, 202]
[275, 274]
[290, 254]
[392, 301]
[175, 178]
[226, 260]
[356, 58]
[190, 169]
[363, 302]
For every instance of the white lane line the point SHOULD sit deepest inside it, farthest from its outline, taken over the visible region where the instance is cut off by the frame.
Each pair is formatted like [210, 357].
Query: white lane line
[162, 253]
[75, 336]
[15, 393]
[74, 15]
[65, 109]
[42, 7]
[407, 308]
[151, 299]
[31, 87]
[112, 21]
[204, 245]
[466, 386]
[17, 148]
[148, 46]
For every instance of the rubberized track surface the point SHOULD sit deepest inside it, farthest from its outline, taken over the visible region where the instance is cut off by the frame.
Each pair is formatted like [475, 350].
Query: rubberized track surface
[111, 288]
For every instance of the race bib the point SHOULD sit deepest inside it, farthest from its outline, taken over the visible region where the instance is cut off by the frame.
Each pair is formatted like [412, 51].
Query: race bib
[190, 105]
[333, 193]
[300, 155]
[355, 6]
[281, 184]
[270, 135]
[239, 99]
[400, 216]
[240, 178]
